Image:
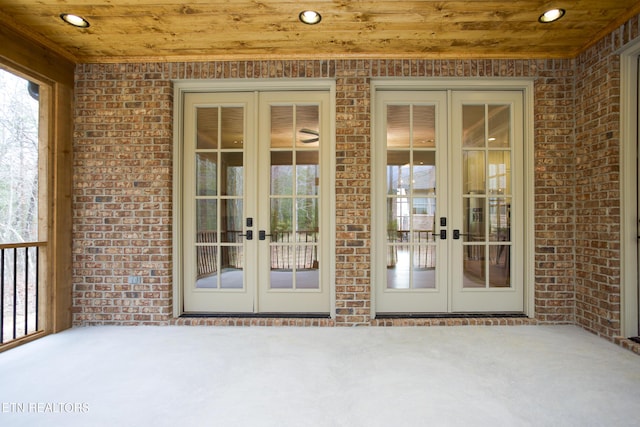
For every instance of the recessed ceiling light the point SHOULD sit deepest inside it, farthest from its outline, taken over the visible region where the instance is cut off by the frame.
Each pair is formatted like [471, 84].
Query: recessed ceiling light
[310, 17]
[75, 20]
[551, 15]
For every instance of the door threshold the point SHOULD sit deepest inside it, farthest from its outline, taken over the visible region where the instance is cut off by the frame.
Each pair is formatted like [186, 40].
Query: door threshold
[492, 315]
[257, 315]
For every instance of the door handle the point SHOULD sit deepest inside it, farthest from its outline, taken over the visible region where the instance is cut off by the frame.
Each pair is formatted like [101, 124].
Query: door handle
[248, 235]
[457, 234]
[262, 235]
[442, 235]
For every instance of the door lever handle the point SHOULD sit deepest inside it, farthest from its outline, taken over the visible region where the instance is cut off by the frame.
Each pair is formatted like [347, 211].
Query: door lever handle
[442, 235]
[248, 235]
[262, 235]
[457, 234]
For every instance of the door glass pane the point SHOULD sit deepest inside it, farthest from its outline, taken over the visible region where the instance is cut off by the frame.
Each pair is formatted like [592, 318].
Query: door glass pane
[398, 172]
[281, 278]
[499, 172]
[232, 127]
[500, 219]
[398, 267]
[308, 125]
[219, 203]
[232, 174]
[424, 126]
[207, 128]
[499, 135]
[281, 247]
[423, 214]
[307, 173]
[207, 264]
[231, 220]
[308, 279]
[411, 201]
[500, 266]
[473, 173]
[424, 172]
[231, 271]
[474, 274]
[398, 126]
[295, 180]
[307, 219]
[282, 126]
[424, 266]
[474, 219]
[473, 126]
[487, 186]
[207, 216]
[281, 173]
[307, 273]
[281, 216]
[206, 174]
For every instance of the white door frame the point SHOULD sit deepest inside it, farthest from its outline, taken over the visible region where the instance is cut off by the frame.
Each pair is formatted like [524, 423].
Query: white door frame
[629, 226]
[182, 87]
[527, 88]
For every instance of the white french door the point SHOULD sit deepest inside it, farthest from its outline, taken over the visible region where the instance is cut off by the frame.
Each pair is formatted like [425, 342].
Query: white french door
[450, 192]
[253, 228]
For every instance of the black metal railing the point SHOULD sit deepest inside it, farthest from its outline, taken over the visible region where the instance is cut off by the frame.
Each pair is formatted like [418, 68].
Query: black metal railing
[424, 250]
[287, 249]
[19, 290]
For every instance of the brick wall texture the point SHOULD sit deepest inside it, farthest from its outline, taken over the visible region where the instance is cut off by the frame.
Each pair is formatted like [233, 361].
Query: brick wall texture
[123, 182]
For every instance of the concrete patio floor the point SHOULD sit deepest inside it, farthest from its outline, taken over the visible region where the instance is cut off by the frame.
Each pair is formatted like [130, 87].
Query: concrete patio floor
[282, 376]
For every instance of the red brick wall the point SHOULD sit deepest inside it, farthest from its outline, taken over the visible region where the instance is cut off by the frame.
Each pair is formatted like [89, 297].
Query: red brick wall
[598, 183]
[123, 179]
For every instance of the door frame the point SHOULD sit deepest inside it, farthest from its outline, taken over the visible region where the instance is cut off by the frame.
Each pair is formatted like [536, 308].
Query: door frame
[182, 87]
[629, 187]
[464, 84]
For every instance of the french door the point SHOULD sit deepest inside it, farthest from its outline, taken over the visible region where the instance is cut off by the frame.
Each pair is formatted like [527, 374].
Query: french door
[450, 192]
[253, 196]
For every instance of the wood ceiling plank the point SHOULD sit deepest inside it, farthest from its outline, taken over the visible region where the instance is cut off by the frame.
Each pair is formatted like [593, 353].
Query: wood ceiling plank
[239, 28]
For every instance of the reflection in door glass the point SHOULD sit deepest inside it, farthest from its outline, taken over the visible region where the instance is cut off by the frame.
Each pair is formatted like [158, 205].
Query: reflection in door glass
[207, 125]
[411, 196]
[206, 174]
[308, 126]
[281, 173]
[424, 126]
[282, 126]
[499, 126]
[307, 173]
[474, 266]
[232, 173]
[473, 126]
[500, 266]
[487, 183]
[424, 263]
[232, 133]
[219, 197]
[231, 220]
[294, 192]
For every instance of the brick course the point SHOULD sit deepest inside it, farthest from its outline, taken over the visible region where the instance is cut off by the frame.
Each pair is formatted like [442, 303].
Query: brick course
[123, 179]
[123, 183]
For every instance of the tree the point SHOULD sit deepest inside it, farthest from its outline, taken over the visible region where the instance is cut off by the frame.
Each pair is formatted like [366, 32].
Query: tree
[18, 161]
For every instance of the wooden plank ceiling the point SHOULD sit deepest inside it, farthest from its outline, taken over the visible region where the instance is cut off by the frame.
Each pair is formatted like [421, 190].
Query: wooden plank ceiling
[168, 30]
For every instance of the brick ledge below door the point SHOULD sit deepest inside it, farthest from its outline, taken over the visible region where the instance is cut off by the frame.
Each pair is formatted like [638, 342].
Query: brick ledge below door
[262, 321]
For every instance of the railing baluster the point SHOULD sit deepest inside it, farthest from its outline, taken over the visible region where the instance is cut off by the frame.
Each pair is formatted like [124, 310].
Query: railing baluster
[37, 307]
[15, 293]
[26, 290]
[1, 296]
[22, 298]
